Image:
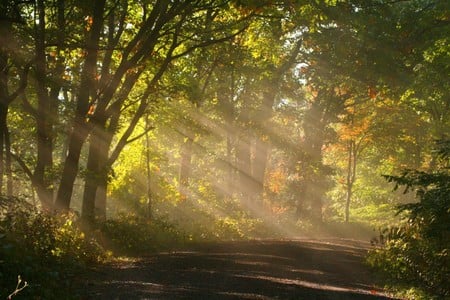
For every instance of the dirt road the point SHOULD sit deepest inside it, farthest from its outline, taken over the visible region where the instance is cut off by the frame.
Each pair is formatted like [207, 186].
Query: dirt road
[298, 269]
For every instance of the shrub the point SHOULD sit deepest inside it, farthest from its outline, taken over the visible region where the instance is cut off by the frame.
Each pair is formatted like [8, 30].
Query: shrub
[131, 234]
[417, 252]
[48, 250]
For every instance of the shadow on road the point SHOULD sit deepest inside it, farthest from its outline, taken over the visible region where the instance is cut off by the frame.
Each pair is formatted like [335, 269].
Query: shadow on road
[303, 269]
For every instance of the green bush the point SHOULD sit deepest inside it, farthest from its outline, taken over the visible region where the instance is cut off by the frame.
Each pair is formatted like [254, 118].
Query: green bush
[417, 252]
[47, 250]
[129, 234]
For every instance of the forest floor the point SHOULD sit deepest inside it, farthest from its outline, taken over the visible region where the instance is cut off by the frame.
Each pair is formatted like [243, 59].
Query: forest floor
[263, 269]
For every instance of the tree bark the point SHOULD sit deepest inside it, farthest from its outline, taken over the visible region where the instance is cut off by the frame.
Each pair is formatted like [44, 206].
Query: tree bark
[312, 167]
[8, 167]
[230, 180]
[186, 158]
[96, 180]
[259, 164]
[149, 211]
[244, 169]
[46, 112]
[2, 143]
[80, 128]
[6, 51]
[94, 173]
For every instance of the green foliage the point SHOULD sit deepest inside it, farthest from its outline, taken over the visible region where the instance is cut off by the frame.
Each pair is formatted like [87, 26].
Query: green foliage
[129, 234]
[47, 250]
[418, 254]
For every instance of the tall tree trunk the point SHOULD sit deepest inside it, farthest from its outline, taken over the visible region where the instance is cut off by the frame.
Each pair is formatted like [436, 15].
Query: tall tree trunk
[352, 149]
[2, 147]
[6, 50]
[70, 170]
[93, 174]
[80, 128]
[94, 196]
[243, 165]
[149, 211]
[259, 164]
[44, 163]
[230, 184]
[106, 160]
[5, 36]
[312, 166]
[8, 167]
[101, 197]
[104, 168]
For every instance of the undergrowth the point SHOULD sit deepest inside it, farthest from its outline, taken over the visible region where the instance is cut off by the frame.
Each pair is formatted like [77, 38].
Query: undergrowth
[50, 251]
[415, 256]
[47, 250]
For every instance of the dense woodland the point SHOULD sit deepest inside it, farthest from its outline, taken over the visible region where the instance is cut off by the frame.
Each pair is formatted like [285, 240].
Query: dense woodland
[131, 125]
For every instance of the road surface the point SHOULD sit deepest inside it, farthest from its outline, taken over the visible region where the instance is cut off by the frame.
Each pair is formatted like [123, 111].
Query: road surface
[267, 269]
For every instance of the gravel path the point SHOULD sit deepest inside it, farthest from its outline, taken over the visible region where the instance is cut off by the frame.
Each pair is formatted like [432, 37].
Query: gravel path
[268, 269]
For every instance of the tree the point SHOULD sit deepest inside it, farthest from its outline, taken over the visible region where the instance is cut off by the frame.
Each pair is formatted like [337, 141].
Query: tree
[168, 32]
[10, 64]
[416, 252]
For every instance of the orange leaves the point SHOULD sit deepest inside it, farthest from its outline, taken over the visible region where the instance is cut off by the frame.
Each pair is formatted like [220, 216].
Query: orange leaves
[91, 110]
[354, 130]
[278, 210]
[372, 92]
[89, 20]
[341, 90]
[313, 91]
[276, 181]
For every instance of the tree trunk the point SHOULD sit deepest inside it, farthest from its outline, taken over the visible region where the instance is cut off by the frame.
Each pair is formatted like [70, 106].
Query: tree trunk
[80, 129]
[243, 165]
[44, 128]
[149, 211]
[314, 177]
[96, 181]
[8, 167]
[259, 164]
[91, 179]
[6, 49]
[2, 145]
[351, 176]
[76, 140]
[230, 190]
[5, 36]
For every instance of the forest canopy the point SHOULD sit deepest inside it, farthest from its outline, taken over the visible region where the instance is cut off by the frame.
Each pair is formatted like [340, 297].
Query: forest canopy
[286, 108]
[221, 119]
